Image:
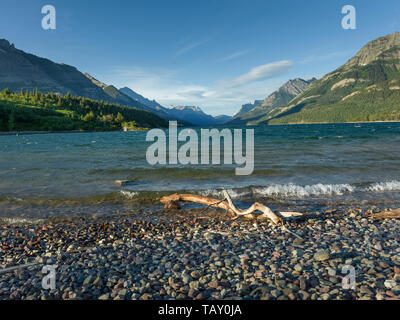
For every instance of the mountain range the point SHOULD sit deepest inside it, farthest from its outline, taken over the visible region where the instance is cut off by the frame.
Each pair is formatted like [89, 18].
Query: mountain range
[196, 116]
[365, 88]
[21, 70]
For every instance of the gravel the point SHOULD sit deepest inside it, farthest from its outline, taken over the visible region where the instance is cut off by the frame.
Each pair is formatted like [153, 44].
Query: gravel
[203, 257]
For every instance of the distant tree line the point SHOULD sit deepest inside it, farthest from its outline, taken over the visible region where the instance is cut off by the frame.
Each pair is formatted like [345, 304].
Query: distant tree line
[34, 110]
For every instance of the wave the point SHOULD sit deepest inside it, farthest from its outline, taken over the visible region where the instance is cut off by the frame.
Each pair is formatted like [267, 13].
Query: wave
[385, 186]
[296, 191]
[233, 193]
[129, 194]
[302, 192]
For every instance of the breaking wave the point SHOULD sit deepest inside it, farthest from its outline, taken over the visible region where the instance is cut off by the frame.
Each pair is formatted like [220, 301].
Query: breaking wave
[283, 191]
[296, 191]
[301, 192]
[385, 186]
[129, 194]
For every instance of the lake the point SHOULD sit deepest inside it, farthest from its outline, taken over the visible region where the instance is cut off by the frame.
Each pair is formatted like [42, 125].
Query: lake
[297, 165]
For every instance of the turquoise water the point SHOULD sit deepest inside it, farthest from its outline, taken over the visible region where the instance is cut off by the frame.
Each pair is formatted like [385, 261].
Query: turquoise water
[332, 162]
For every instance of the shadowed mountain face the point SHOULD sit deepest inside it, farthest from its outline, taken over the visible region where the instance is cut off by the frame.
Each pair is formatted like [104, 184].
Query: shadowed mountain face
[20, 70]
[366, 88]
[136, 96]
[282, 96]
[247, 108]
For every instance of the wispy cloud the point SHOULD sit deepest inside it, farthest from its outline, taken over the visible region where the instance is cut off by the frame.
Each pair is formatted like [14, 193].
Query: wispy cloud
[234, 55]
[193, 94]
[226, 96]
[189, 47]
[259, 73]
[325, 57]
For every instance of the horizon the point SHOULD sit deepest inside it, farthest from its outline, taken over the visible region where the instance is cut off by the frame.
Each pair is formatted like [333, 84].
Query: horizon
[204, 55]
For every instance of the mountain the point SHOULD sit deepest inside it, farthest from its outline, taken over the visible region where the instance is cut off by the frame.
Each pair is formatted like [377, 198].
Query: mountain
[136, 96]
[21, 70]
[186, 114]
[280, 97]
[152, 104]
[193, 115]
[365, 88]
[222, 119]
[246, 108]
[116, 96]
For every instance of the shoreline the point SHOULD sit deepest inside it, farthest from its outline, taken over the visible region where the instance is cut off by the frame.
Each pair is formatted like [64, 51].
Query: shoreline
[11, 133]
[308, 123]
[193, 254]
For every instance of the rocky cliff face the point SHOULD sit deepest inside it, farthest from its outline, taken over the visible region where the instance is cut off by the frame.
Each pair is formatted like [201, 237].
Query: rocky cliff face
[287, 92]
[247, 107]
[383, 48]
[280, 97]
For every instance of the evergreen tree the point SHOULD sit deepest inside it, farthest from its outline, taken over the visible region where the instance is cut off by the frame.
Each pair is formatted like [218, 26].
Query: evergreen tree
[11, 121]
[119, 118]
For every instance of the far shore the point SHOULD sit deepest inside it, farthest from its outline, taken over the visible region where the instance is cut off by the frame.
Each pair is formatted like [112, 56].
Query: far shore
[357, 122]
[13, 133]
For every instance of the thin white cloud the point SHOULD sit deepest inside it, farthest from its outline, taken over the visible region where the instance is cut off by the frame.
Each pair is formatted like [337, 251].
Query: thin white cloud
[193, 94]
[234, 55]
[165, 86]
[189, 47]
[325, 57]
[259, 73]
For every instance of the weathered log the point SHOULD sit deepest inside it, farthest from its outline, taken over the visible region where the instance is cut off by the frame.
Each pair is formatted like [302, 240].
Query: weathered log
[228, 205]
[172, 200]
[388, 214]
[267, 212]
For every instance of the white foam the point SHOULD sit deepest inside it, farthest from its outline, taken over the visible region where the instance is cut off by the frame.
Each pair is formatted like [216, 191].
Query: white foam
[385, 186]
[129, 194]
[292, 190]
[234, 194]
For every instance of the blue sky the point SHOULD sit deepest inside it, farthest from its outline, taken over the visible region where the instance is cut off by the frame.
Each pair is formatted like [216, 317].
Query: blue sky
[216, 54]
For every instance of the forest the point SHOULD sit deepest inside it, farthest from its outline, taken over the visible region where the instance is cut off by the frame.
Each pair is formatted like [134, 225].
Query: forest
[37, 111]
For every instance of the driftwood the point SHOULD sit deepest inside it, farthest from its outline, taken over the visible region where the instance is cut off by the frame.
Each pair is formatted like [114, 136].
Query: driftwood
[388, 214]
[227, 204]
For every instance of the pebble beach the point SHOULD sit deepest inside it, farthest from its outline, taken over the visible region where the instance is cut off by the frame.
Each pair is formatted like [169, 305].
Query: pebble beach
[192, 254]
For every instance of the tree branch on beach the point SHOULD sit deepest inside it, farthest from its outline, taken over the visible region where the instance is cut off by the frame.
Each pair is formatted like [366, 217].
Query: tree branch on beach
[227, 204]
[388, 214]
